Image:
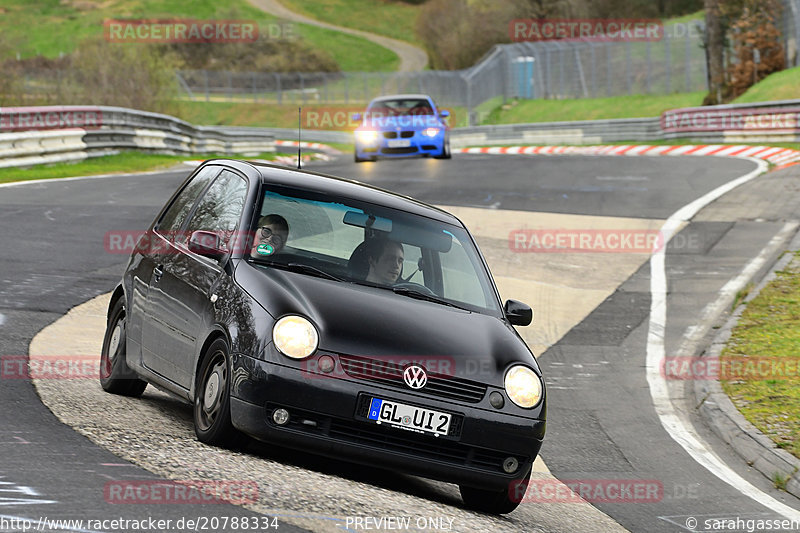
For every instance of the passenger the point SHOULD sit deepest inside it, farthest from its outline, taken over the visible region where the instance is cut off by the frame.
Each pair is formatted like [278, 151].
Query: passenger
[385, 260]
[271, 235]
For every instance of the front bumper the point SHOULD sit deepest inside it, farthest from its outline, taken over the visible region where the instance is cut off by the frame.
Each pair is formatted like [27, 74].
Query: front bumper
[324, 419]
[419, 145]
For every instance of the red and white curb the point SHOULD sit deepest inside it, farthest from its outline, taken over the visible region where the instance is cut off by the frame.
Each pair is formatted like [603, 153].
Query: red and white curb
[326, 153]
[311, 146]
[771, 154]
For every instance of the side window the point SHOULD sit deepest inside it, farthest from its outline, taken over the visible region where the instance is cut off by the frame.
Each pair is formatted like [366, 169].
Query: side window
[220, 208]
[176, 214]
[460, 282]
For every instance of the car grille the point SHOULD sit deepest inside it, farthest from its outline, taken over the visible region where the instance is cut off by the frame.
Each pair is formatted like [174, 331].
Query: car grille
[393, 134]
[406, 150]
[391, 374]
[374, 436]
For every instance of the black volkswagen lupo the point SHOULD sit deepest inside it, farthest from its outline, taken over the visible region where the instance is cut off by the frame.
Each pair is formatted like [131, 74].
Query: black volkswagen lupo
[334, 317]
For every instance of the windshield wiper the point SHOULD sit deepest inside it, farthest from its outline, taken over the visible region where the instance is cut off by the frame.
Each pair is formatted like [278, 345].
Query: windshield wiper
[412, 293]
[311, 270]
[301, 268]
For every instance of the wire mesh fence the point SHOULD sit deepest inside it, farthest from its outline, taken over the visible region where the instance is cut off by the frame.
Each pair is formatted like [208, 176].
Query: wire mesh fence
[547, 69]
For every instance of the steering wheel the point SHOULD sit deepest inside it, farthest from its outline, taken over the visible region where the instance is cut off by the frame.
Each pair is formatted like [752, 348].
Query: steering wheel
[414, 287]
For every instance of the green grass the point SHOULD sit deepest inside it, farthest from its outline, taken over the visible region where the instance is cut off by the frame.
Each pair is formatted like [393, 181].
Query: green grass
[770, 328]
[778, 86]
[123, 162]
[522, 111]
[391, 19]
[53, 27]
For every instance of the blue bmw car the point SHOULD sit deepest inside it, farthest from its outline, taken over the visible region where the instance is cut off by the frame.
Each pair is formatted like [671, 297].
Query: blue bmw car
[402, 125]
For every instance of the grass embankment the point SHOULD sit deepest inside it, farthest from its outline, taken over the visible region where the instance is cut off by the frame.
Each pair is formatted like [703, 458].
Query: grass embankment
[770, 329]
[522, 111]
[390, 19]
[50, 28]
[123, 162]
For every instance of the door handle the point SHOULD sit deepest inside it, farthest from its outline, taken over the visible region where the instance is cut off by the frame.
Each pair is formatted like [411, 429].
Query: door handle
[158, 272]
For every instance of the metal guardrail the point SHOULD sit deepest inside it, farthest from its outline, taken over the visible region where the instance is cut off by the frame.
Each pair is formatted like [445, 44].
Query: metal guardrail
[124, 129]
[111, 130]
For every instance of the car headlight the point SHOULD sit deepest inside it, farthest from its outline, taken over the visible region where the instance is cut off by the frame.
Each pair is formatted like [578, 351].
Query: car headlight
[431, 132]
[367, 136]
[523, 386]
[295, 337]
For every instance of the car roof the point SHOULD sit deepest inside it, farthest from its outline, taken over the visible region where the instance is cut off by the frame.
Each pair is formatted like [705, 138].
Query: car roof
[347, 188]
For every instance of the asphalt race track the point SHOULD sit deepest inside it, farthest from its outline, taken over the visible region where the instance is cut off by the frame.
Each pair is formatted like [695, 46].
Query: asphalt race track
[601, 423]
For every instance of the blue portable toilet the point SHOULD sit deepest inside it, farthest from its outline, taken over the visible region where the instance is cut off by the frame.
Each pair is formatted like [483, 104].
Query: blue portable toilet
[523, 69]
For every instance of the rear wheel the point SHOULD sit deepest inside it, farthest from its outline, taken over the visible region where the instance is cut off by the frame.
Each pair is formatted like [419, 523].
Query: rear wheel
[212, 405]
[115, 375]
[495, 501]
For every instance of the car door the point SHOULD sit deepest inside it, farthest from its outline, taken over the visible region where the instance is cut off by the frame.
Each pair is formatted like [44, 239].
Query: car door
[181, 294]
[149, 254]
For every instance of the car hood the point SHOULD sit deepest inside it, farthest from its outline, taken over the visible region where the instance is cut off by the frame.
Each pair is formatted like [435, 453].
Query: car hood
[372, 322]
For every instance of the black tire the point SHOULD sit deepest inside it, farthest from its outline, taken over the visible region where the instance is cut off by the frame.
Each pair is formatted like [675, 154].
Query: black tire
[212, 398]
[358, 159]
[115, 375]
[446, 154]
[494, 501]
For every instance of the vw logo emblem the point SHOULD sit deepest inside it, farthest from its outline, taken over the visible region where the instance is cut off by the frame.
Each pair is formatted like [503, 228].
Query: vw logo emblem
[415, 376]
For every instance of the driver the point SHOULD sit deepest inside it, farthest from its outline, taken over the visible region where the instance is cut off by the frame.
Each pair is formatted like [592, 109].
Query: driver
[385, 260]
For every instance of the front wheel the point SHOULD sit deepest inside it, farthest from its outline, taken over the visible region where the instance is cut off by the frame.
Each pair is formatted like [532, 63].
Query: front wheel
[212, 404]
[115, 375]
[446, 154]
[495, 501]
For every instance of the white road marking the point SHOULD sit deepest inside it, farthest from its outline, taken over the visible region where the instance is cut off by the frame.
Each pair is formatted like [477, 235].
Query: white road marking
[675, 426]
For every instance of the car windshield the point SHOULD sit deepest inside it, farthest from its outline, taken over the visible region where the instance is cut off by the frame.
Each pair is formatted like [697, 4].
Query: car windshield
[349, 241]
[401, 107]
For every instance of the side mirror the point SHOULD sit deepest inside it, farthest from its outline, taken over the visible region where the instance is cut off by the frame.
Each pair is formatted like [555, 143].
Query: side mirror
[444, 113]
[357, 117]
[518, 313]
[207, 244]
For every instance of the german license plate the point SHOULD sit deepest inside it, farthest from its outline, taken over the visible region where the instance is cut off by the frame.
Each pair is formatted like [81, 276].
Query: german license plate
[398, 143]
[409, 417]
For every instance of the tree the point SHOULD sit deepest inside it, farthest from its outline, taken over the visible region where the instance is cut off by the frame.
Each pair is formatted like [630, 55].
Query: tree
[715, 46]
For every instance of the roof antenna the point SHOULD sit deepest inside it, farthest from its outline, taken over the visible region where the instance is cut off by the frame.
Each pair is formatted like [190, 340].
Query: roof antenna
[299, 137]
